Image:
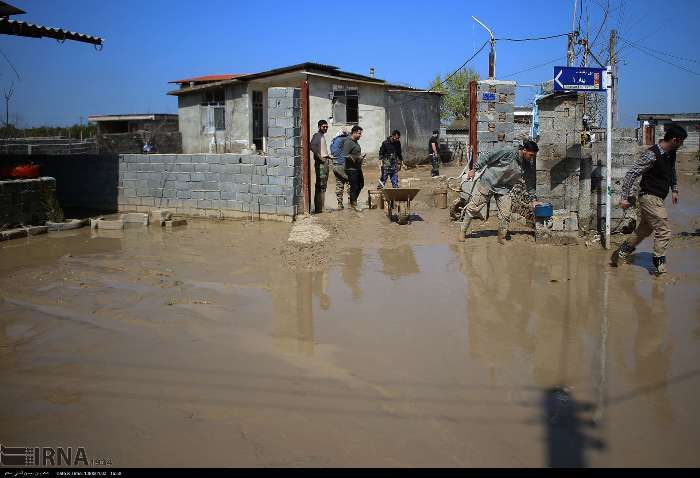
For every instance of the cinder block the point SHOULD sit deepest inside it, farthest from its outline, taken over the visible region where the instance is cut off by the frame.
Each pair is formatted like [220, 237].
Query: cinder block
[135, 218]
[110, 225]
[175, 223]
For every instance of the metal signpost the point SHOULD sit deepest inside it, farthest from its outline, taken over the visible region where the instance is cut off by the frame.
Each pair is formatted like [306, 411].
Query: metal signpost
[567, 78]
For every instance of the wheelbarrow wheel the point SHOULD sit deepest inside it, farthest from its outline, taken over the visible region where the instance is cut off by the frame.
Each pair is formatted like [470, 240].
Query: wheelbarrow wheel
[403, 218]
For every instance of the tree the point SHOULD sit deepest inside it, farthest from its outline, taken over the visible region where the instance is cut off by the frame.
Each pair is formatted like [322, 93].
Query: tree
[455, 102]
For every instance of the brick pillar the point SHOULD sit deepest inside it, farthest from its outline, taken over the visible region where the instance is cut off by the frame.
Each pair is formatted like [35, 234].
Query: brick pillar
[284, 143]
[495, 122]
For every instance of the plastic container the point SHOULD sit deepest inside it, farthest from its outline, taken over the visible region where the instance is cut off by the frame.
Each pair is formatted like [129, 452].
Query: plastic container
[23, 171]
[440, 198]
[544, 210]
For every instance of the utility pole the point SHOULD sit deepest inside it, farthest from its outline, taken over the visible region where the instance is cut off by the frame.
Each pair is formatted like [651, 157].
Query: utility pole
[613, 64]
[8, 95]
[492, 52]
[571, 39]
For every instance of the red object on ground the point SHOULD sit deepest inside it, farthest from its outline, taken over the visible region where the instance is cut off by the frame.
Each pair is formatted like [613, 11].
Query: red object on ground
[24, 171]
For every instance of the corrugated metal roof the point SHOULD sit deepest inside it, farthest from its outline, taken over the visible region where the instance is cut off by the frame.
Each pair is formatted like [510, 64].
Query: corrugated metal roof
[278, 71]
[676, 116]
[6, 10]
[14, 27]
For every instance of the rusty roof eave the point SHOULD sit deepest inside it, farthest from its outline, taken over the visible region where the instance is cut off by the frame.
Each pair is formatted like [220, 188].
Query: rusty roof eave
[192, 89]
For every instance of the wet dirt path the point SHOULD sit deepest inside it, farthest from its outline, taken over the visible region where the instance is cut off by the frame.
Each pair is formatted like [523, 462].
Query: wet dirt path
[203, 347]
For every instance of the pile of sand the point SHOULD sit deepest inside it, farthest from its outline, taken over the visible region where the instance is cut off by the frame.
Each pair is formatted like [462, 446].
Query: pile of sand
[307, 231]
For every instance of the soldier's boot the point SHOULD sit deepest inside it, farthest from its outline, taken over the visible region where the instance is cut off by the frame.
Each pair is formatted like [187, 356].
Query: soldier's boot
[622, 253]
[660, 265]
[354, 206]
[319, 199]
[502, 233]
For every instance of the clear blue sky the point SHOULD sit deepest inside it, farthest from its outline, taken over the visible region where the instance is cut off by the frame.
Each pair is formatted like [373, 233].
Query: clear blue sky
[150, 42]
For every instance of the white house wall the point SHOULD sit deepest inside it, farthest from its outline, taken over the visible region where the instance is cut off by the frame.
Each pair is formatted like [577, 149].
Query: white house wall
[372, 114]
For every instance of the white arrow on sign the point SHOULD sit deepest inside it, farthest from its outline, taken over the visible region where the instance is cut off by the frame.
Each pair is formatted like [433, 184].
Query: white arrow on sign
[556, 78]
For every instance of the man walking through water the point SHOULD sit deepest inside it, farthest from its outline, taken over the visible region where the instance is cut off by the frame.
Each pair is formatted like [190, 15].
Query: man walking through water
[657, 167]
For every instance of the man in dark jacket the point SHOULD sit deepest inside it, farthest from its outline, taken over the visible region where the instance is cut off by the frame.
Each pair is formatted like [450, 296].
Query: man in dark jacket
[353, 165]
[657, 166]
[390, 158]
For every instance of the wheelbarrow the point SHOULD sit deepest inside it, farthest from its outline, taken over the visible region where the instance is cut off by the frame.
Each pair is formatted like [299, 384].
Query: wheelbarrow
[399, 199]
[458, 211]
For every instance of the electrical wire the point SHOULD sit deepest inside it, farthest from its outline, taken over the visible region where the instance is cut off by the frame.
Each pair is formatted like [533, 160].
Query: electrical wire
[11, 65]
[533, 39]
[438, 84]
[658, 52]
[535, 67]
[661, 59]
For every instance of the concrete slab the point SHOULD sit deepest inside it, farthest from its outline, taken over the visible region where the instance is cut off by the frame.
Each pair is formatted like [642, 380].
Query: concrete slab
[135, 218]
[13, 234]
[111, 225]
[175, 223]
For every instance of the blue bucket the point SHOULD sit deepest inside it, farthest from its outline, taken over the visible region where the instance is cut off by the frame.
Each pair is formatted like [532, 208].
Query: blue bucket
[544, 210]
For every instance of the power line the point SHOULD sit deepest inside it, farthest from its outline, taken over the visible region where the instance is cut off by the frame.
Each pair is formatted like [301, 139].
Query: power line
[11, 65]
[658, 52]
[535, 67]
[438, 84]
[532, 39]
[661, 59]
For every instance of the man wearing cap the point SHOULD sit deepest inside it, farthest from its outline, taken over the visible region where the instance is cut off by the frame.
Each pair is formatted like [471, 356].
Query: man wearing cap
[504, 168]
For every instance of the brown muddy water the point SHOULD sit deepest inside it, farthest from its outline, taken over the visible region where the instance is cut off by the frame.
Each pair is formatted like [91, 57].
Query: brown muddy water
[201, 347]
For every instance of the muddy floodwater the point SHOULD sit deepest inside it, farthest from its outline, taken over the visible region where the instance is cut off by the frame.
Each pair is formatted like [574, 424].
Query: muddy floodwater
[220, 344]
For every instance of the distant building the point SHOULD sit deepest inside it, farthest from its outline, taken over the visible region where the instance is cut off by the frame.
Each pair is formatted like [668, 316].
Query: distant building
[137, 133]
[134, 123]
[652, 128]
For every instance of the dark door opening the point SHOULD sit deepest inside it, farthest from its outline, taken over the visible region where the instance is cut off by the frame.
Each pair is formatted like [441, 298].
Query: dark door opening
[258, 128]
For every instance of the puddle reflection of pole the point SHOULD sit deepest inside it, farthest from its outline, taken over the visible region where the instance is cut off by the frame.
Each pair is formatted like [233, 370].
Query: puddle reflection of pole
[602, 384]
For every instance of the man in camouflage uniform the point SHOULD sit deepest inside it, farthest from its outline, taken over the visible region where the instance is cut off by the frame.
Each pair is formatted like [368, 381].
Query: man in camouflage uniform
[341, 176]
[391, 159]
[321, 164]
[505, 169]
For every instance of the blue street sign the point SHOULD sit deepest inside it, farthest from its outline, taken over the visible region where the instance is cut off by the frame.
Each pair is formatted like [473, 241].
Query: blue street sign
[569, 78]
[487, 96]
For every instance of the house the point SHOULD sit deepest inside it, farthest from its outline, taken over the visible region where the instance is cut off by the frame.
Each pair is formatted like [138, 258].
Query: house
[134, 123]
[652, 126]
[228, 113]
[128, 133]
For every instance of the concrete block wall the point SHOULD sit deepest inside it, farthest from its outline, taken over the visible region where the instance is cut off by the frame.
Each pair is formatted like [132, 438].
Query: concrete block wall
[223, 185]
[23, 202]
[563, 163]
[495, 126]
[84, 182]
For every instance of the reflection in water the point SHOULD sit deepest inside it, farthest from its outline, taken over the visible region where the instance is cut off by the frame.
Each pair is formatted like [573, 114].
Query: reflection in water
[321, 289]
[652, 348]
[293, 326]
[352, 271]
[399, 261]
[498, 332]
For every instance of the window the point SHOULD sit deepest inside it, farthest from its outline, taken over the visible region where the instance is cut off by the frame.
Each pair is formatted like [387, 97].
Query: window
[213, 109]
[345, 105]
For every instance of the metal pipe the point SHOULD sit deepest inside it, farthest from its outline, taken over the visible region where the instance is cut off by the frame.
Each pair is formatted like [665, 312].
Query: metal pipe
[492, 53]
[608, 162]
